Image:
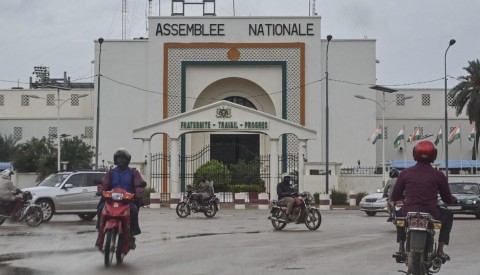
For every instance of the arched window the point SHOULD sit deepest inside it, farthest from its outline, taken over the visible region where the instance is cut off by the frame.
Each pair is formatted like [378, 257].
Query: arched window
[240, 101]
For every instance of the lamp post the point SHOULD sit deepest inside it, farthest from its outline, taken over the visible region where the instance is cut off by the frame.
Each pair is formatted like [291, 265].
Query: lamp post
[59, 103]
[383, 106]
[100, 41]
[447, 132]
[329, 37]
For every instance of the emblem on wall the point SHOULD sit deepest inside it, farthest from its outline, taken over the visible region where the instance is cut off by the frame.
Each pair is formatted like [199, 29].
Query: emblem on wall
[224, 112]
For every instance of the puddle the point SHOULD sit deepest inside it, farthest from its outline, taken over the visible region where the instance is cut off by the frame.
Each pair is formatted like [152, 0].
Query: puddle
[11, 270]
[214, 234]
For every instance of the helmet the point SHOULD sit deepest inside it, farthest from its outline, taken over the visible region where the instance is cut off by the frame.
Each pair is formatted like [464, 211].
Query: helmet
[394, 173]
[121, 152]
[425, 152]
[285, 176]
[7, 174]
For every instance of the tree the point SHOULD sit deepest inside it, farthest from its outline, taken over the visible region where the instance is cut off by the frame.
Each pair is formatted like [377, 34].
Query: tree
[467, 94]
[8, 145]
[40, 156]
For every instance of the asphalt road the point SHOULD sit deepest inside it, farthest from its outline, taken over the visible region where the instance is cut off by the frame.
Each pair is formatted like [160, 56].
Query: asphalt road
[233, 242]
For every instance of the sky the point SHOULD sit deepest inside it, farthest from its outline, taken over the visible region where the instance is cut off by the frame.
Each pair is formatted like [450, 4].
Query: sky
[412, 36]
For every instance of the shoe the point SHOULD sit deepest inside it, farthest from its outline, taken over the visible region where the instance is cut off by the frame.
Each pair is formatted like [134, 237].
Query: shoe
[444, 257]
[132, 243]
[400, 257]
[390, 219]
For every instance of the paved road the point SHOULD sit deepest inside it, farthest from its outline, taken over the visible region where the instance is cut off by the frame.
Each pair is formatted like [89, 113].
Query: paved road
[234, 242]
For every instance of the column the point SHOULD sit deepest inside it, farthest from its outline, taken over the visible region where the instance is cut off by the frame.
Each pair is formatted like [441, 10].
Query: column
[302, 145]
[174, 173]
[273, 168]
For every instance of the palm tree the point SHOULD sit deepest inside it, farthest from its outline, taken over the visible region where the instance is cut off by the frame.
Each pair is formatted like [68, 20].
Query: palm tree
[467, 93]
[8, 145]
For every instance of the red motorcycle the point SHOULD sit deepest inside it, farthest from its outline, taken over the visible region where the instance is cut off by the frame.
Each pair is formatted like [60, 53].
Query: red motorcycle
[114, 231]
[302, 212]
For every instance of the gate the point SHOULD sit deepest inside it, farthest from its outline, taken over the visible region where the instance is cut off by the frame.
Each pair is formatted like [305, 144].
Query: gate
[160, 175]
[288, 164]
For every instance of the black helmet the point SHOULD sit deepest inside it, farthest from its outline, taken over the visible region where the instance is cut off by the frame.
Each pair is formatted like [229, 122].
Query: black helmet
[121, 152]
[394, 173]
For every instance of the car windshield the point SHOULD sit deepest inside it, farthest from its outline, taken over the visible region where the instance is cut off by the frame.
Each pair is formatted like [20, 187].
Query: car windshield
[54, 180]
[464, 188]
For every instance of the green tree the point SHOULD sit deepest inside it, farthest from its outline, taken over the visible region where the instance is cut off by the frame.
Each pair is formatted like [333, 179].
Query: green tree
[467, 94]
[78, 154]
[8, 145]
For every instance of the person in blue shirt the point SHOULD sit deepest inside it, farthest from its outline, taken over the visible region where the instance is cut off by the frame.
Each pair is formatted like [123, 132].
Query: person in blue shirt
[126, 178]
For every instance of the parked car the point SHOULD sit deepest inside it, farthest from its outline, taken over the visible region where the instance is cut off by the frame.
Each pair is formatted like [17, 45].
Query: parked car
[468, 197]
[373, 203]
[68, 193]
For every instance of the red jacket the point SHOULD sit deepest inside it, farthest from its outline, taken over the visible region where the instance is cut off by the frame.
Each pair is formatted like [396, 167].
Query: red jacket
[422, 183]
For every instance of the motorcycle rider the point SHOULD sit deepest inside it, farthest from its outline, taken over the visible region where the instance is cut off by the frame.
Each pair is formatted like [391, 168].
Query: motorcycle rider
[387, 191]
[285, 193]
[7, 191]
[421, 185]
[205, 191]
[122, 176]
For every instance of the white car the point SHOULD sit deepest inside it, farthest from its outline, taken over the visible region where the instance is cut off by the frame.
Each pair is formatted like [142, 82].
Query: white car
[374, 203]
[68, 193]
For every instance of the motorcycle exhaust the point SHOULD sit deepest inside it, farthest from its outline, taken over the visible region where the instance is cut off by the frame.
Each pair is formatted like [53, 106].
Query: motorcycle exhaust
[437, 263]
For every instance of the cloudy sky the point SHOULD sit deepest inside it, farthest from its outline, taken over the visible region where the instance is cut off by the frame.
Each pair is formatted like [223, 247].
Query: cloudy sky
[411, 35]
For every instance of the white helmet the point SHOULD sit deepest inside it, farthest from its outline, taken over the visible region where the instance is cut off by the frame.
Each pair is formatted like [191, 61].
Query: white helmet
[284, 175]
[7, 174]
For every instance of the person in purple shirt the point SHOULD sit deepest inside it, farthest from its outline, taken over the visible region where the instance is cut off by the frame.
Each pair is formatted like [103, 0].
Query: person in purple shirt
[419, 186]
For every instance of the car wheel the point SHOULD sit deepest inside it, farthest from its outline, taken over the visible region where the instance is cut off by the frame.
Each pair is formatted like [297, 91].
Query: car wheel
[47, 209]
[87, 216]
[371, 213]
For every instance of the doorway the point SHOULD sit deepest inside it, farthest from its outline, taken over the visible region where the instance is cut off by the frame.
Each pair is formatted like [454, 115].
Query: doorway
[228, 148]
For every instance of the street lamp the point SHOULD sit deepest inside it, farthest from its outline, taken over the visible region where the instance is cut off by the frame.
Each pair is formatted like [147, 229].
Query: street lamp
[447, 131]
[100, 41]
[329, 37]
[58, 104]
[383, 107]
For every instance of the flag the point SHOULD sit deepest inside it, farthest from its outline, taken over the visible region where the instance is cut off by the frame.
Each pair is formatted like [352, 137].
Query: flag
[471, 133]
[376, 135]
[415, 135]
[400, 137]
[439, 136]
[455, 134]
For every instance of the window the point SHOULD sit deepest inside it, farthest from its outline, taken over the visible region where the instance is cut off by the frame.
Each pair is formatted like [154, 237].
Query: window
[25, 100]
[50, 100]
[241, 101]
[52, 132]
[385, 132]
[17, 133]
[421, 132]
[93, 178]
[400, 99]
[75, 100]
[88, 132]
[425, 99]
[2, 100]
[450, 100]
[78, 180]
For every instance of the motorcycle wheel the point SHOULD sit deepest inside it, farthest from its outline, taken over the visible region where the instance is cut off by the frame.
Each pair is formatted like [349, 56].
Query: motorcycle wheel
[211, 211]
[34, 216]
[278, 225]
[415, 263]
[110, 243]
[119, 254]
[313, 219]
[1, 221]
[47, 209]
[182, 210]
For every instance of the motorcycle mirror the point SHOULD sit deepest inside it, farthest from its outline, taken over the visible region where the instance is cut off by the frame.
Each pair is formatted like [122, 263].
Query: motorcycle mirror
[143, 184]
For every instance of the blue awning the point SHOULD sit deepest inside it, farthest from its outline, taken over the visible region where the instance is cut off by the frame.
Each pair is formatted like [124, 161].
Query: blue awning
[452, 164]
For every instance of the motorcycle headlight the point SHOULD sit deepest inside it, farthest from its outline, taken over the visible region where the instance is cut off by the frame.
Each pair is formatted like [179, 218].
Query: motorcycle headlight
[471, 201]
[117, 196]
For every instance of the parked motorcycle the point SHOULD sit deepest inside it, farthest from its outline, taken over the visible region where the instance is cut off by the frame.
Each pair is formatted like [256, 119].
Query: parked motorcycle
[420, 243]
[189, 204]
[114, 233]
[30, 213]
[302, 212]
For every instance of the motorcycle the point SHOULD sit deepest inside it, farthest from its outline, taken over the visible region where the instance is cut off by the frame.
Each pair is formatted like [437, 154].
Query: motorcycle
[189, 204]
[302, 212]
[420, 243]
[31, 213]
[114, 233]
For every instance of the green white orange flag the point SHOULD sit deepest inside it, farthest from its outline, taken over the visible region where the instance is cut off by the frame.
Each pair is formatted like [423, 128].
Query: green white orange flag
[400, 137]
[471, 133]
[439, 136]
[376, 135]
[455, 134]
[415, 135]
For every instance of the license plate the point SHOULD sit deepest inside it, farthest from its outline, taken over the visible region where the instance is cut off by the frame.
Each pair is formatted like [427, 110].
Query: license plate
[454, 207]
[368, 205]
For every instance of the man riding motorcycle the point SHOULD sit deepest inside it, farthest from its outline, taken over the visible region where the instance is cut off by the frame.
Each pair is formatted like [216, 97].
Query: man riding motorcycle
[6, 191]
[421, 184]
[126, 178]
[285, 192]
[387, 191]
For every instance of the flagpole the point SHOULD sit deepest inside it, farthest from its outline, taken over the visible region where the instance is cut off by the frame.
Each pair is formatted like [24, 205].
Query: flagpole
[461, 153]
[405, 151]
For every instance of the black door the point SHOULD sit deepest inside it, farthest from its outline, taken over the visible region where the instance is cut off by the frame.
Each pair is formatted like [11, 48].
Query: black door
[230, 148]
